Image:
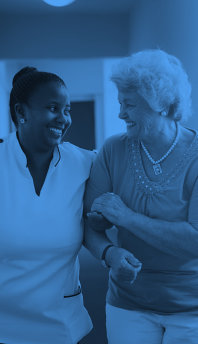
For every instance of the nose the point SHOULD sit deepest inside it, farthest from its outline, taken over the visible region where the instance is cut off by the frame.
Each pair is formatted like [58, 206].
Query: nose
[122, 113]
[63, 118]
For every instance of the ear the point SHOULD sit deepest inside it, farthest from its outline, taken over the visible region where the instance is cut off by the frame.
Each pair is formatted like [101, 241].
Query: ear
[20, 112]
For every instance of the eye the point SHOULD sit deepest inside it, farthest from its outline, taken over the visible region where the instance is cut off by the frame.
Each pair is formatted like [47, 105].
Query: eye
[130, 105]
[52, 108]
[67, 112]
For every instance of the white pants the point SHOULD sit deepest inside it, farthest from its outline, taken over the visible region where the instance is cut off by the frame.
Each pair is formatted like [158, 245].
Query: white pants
[137, 327]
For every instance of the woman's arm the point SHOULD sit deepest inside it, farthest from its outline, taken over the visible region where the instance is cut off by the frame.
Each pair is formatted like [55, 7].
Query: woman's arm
[94, 241]
[123, 262]
[120, 260]
[175, 238]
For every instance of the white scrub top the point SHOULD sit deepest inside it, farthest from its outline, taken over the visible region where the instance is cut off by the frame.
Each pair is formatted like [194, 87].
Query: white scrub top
[40, 237]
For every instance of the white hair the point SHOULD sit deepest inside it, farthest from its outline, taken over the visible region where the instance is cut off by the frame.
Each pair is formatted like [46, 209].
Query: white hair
[159, 78]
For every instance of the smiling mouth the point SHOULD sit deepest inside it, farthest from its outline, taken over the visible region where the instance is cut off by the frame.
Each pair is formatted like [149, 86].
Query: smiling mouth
[56, 131]
[130, 124]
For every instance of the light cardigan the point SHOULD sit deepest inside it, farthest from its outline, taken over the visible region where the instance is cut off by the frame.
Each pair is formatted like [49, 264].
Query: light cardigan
[166, 283]
[40, 237]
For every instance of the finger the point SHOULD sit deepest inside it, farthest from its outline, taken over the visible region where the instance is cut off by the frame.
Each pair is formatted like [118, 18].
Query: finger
[95, 215]
[103, 196]
[96, 207]
[133, 261]
[133, 279]
[127, 266]
[113, 195]
[130, 269]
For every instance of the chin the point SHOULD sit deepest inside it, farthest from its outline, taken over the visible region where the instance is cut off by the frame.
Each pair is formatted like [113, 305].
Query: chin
[52, 143]
[55, 142]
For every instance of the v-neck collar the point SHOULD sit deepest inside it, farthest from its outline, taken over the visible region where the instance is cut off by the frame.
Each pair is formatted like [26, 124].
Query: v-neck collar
[21, 161]
[21, 157]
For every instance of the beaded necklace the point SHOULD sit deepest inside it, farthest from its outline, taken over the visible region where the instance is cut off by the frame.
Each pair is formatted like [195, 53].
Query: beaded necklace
[156, 163]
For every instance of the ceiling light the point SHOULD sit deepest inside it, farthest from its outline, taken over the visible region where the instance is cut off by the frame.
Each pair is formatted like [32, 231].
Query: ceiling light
[58, 3]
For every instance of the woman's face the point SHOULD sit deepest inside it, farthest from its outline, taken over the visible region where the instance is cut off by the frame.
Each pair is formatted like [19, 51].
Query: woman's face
[46, 115]
[139, 117]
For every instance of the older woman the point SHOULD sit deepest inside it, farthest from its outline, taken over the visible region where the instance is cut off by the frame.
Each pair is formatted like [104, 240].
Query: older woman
[145, 182]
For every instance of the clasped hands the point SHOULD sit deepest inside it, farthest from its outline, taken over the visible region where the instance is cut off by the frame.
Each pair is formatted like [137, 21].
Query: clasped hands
[108, 210]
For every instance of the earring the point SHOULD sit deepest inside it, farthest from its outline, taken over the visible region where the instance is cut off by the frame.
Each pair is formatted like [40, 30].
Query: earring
[163, 113]
[22, 121]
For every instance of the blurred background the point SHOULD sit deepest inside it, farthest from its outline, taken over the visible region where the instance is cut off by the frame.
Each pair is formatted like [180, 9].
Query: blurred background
[81, 42]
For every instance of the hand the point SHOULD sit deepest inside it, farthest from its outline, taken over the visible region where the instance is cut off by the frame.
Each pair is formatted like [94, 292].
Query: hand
[112, 208]
[98, 222]
[123, 263]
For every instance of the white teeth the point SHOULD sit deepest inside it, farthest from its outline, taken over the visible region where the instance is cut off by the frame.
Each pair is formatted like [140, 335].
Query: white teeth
[131, 124]
[56, 130]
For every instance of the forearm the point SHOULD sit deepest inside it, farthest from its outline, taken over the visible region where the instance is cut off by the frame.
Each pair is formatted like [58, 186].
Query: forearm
[175, 238]
[121, 261]
[94, 241]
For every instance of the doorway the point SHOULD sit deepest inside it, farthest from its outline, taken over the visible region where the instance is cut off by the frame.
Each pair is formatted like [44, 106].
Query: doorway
[82, 131]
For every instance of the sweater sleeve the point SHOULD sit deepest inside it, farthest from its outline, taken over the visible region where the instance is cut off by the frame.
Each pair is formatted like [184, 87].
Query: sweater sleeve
[100, 177]
[193, 206]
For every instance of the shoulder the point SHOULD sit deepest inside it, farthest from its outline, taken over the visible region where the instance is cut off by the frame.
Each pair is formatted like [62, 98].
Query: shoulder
[117, 139]
[192, 152]
[75, 150]
[116, 144]
[76, 154]
[190, 161]
[7, 141]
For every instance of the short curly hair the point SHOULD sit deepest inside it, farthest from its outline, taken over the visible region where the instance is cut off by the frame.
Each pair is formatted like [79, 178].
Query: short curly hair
[159, 78]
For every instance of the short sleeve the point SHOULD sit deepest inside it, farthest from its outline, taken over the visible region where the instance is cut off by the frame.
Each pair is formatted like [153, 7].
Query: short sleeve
[99, 181]
[193, 206]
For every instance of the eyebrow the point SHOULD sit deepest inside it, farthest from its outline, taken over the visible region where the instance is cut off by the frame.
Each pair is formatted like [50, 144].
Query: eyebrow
[126, 100]
[56, 103]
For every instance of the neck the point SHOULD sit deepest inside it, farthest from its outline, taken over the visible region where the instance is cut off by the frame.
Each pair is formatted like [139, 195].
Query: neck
[35, 155]
[161, 142]
[162, 138]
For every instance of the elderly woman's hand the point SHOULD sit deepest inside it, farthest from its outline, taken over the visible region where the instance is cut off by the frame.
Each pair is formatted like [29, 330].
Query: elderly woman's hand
[123, 263]
[98, 222]
[112, 208]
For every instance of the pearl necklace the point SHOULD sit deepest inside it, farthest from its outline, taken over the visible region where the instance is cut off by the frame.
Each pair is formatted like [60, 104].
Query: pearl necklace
[156, 163]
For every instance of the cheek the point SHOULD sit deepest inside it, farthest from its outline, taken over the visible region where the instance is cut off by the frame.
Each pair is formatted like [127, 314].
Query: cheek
[134, 114]
[44, 118]
[38, 118]
[147, 124]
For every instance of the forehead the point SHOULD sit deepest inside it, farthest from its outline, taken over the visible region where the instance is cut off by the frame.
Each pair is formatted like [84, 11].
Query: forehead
[49, 92]
[128, 95]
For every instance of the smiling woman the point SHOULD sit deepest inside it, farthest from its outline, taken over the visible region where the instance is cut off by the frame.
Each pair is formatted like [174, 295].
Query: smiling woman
[145, 182]
[42, 182]
[39, 106]
[48, 93]
[131, 105]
